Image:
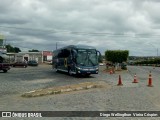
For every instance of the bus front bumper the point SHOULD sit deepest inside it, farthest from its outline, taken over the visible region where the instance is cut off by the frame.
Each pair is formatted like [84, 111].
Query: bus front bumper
[87, 71]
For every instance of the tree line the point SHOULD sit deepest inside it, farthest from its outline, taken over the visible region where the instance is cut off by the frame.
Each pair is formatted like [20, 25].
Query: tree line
[154, 61]
[12, 49]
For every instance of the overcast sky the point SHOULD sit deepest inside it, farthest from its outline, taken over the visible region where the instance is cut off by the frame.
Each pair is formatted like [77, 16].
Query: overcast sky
[132, 25]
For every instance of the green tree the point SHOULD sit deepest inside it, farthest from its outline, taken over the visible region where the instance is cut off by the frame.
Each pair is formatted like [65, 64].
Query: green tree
[17, 50]
[9, 48]
[12, 49]
[116, 56]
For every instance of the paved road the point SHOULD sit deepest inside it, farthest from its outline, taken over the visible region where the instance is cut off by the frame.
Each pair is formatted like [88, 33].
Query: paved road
[19, 80]
[143, 75]
[127, 97]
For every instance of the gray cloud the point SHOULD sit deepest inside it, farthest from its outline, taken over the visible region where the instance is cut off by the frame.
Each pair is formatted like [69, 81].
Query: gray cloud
[105, 24]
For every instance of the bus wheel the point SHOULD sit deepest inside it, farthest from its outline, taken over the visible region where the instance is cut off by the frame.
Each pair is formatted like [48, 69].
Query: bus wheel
[56, 69]
[69, 71]
[4, 71]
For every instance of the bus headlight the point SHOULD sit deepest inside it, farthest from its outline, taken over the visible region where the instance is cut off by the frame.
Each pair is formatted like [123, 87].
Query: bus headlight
[97, 68]
[78, 68]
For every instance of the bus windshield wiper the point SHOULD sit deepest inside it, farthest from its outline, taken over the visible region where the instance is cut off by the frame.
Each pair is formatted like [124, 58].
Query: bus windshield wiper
[85, 60]
[90, 60]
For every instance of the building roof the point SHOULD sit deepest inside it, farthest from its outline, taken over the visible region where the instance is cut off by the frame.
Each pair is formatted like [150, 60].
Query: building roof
[3, 56]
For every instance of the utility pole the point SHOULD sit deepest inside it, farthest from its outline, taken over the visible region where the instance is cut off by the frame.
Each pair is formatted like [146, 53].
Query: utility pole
[4, 44]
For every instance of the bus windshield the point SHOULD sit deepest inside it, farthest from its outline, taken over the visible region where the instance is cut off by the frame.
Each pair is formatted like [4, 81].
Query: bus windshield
[87, 57]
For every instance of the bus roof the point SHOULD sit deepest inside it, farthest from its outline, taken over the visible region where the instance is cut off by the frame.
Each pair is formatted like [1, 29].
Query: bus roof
[82, 47]
[78, 47]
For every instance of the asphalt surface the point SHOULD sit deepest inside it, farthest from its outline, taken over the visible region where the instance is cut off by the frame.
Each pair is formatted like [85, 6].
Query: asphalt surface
[129, 97]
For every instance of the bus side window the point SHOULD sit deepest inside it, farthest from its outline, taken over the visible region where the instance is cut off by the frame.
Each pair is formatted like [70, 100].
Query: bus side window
[66, 53]
[60, 55]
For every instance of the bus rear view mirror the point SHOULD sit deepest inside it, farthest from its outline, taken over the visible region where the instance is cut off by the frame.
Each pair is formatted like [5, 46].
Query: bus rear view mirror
[98, 53]
[99, 56]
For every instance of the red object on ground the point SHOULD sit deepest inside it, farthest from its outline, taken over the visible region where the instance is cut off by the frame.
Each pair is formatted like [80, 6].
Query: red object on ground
[111, 72]
[150, 80]
[120, 81]
[135, 79]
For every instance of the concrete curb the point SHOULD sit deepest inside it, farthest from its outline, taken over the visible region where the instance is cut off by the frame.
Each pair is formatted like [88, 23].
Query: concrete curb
[65, 89]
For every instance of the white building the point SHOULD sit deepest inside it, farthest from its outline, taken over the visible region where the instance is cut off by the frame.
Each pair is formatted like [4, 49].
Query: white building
[26, 56]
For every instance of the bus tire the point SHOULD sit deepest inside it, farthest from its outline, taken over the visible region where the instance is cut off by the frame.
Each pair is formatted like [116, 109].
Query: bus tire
[56, 69]
[70, 71]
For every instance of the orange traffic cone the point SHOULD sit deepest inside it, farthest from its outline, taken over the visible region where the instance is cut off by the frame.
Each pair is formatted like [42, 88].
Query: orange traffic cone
[111, 72]
[150, 80]
[135, 79]
[119, 81]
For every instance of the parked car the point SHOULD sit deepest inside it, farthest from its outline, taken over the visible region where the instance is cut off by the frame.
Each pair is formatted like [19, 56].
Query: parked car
[4, 67]
[101, 64]
[20, 64]
[32, 63]
[124, 66]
